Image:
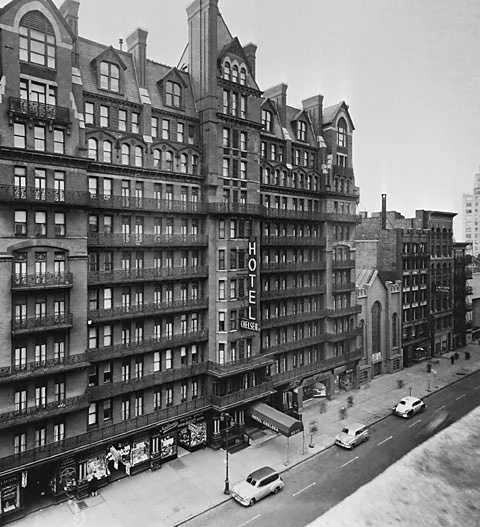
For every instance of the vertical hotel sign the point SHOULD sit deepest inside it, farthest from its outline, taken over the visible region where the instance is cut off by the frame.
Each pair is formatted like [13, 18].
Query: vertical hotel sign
[251, 322]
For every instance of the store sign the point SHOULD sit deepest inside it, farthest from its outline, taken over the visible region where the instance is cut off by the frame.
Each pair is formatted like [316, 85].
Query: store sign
[376, 357]
[251, 323]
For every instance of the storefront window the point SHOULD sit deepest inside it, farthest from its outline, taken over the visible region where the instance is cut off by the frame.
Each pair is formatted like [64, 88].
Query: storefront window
[9, 497]
[140, 452]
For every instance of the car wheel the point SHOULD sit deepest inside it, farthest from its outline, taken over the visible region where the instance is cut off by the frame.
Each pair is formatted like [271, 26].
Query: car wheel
[423, 408]
[252, 501]
[410, 413]
[276, 490]
[366, 439]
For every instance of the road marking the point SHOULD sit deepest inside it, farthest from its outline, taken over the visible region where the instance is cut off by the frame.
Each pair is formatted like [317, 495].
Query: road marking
[304, 488]
[385, 440]
[250, 520]
[348, 462]
[460, 397]
[438, 409]
[415, 423]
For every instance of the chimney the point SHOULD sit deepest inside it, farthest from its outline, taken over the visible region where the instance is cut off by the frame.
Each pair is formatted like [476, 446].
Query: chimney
[250, 51]
[314, 107]
[69, 11]
[384, 212]
[137, 46]
[279, 95]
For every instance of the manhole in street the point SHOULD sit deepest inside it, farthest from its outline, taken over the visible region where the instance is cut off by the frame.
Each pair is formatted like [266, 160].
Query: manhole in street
[82, 505]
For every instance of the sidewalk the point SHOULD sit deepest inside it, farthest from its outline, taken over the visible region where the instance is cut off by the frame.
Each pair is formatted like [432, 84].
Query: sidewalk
[193, 483]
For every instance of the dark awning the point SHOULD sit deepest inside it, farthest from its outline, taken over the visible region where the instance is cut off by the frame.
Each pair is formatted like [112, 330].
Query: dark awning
[274, 419]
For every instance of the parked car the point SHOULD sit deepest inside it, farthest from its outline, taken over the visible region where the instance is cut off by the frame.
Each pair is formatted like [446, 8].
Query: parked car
[257, 485]
[352, 435]
[409, 406]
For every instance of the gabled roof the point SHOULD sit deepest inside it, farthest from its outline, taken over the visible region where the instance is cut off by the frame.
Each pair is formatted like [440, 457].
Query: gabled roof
[235, 48]
[175, 73]
[110, 55]
[50, 5]
[330, 113]
[365, 277]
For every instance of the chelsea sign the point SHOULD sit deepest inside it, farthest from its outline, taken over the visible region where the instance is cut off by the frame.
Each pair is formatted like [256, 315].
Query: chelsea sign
[251, 323]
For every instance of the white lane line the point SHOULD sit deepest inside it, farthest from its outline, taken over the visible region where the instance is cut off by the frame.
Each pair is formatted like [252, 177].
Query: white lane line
[250, 520]
[438, 409]
[385, 440]
[348, 462]
[304, 488]
[415, 423]
[461, 396]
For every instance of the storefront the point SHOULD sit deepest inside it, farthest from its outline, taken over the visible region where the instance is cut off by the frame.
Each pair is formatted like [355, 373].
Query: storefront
[377, 363]
[91, 465]
[65, 481]
[192, 434]
[140, 454]
[118, 460]
[164, 444]
[10, 496]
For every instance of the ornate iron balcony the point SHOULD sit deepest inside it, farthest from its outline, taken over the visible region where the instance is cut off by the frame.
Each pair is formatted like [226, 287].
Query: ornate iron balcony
[291, 292]
[146, 240]
[42, 281]
[44, 196]
[242, 396]
[291, 266]
[110, 201]
[45, 323]
[39, 110]
[234, 208]
[143, 275]
[293, 240]
[240, 365]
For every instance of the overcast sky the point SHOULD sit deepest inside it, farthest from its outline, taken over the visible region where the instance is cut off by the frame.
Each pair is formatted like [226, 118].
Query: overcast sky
[408, 69]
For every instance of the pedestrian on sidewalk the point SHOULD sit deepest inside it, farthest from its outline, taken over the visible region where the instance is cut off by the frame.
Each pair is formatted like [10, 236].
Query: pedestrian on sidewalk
[457, 356]
[323, 406]
[343, 413]
[350, 401]
[452, 359]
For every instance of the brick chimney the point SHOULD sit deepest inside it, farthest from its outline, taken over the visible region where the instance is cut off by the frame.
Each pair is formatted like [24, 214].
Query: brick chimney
[314, 107]
[137, 46]
[250, 51]
[384, 212]
[69, 11]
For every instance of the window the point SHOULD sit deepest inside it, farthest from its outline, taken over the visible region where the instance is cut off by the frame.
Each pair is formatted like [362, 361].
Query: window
[138, 405]
[41, 396]
[20, 358]
[154, 126]
[235, 73]
[59, 141]
[180, 132]
[221, 289]
[59, 224]
[165, 129]
[168, 160]
[184, 163]
[168, 359]
[89, 113]
[227, 70]
[104, 116]
[107, 152]
[40, 223]
[92, 149]
[221, 321]
[138, 156]
[125, 409]
[40, 437]
[243, 106]
[267, 120]
[58, 432]
[135, 123]
[122, 120]
[20, 400]
[301, 130]
[342, 133]
[243, 76]
[157, 157]
[20, 223]
[20, 443]
[169, 396]
[173, 94]
[109, 77]
[107, 410]
[125, 154]
[19, 135]
[39, 138]
[37, 40]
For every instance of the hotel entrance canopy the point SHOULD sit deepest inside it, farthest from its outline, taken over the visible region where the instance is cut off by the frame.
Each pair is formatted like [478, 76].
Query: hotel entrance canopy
[275, 420]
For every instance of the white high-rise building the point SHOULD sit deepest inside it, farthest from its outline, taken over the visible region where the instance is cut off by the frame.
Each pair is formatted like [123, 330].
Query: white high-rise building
[471, 217]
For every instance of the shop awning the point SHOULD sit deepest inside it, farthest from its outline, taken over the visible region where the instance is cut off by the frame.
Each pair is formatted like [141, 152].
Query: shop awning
[274, 419]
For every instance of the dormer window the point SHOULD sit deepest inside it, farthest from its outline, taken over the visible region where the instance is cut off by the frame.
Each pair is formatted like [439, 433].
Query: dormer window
[37, 40]
[226, 71]
[173, 94]
[109, 77]
[301, 130]
[243, 76]
[267, 120]
[342, 133]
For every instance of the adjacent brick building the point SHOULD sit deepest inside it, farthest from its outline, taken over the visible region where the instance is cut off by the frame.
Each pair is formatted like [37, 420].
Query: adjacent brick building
[177, 244]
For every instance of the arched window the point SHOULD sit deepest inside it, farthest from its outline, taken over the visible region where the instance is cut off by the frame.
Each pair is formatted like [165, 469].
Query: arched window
[235, 73]
[93, 149]
[376, 327]
[394, 330]
[184, 163]
[194, 164]
[243, 76]
[168, 160]
[157, 156]
[107, 152]
[37, 40]
[125, 154]
[173, 94]
[138, 156]
[109, 77]
[226, 70]
[342, 133]
[267, 120]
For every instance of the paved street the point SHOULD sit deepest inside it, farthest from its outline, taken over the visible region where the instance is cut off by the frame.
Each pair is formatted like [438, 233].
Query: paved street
[190, 485]
[313, 487]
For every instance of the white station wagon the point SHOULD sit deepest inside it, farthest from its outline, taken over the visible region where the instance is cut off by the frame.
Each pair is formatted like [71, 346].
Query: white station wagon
[409, 406]
[257, 485]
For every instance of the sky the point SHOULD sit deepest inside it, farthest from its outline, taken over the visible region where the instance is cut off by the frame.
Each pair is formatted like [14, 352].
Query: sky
[408, 69]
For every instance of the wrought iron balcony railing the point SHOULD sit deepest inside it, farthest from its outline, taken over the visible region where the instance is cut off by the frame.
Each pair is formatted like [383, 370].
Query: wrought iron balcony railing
[291, 292]
[146, 240]
[111, 201]
[139, 310]
[146, 274]
[283, 321]
[45, 196]
[295, 344]
[293, 240]
[45, 323]
[42, 281]
[236, 366]
[343, 264]
[255, 392]
[291, 266]
[39, 110]
[145, 345]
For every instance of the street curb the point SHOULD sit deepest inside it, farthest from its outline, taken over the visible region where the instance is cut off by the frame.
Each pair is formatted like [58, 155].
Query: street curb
[306, 458]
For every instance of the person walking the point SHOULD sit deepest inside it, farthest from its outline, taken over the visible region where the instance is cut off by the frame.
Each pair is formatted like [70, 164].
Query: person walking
[350, 401]
[452, 359]
[343, 413]
[323, 406]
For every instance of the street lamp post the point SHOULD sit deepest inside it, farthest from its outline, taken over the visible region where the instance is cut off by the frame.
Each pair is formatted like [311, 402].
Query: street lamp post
[223, 418]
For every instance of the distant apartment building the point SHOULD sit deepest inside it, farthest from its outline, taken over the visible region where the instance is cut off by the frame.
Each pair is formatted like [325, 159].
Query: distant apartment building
[419, 251]
[471, 217]
[177, 245]
[463, 306]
